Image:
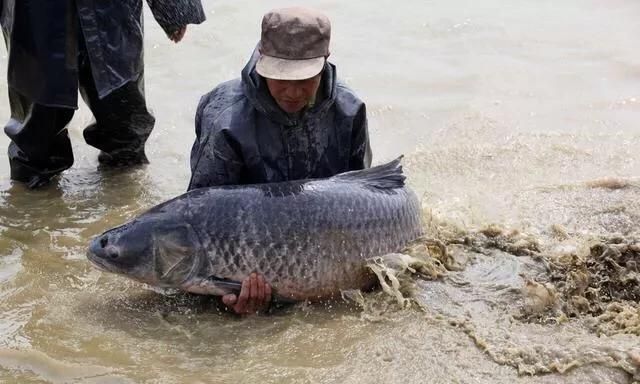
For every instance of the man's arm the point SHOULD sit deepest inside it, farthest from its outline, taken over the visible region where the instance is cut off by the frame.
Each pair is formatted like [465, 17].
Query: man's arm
[360, 147]
[174, 15]
[214, 161]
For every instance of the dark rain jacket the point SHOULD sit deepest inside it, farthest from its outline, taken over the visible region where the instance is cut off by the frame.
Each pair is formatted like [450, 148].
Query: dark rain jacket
[42, 42]
[243, 137]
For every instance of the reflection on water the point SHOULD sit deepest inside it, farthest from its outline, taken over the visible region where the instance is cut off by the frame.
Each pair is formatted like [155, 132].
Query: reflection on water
[519, 125]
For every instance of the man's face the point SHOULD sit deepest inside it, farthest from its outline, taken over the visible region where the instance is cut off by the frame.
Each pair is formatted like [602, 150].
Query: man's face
[293, 95]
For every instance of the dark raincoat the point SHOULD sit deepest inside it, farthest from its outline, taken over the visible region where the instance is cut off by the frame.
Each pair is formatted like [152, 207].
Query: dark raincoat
[243, 137]
[43, 44]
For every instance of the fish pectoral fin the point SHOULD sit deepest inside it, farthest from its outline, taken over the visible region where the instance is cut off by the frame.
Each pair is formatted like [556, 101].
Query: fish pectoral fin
[281, 300]
[225, 286]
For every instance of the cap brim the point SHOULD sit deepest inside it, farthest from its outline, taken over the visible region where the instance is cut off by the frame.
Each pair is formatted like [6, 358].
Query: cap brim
[284, 69]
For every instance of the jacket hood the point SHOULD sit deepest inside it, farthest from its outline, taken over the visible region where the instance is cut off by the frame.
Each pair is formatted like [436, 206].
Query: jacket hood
[255, 89]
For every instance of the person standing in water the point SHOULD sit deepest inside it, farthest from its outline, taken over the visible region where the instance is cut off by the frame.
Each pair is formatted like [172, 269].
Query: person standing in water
[57, 46]
[287, 118]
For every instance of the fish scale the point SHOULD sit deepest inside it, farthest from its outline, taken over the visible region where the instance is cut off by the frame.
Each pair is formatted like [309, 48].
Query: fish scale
[329, 235]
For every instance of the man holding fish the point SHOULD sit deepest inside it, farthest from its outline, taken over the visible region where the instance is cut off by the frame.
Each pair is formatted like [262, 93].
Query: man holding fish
[287, 118]
[281, 187]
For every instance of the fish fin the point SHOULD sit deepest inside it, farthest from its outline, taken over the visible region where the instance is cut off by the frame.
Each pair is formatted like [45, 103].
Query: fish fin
[231, 286]
[174, 251]
[225, 285]
[385, 176]
[281, 300]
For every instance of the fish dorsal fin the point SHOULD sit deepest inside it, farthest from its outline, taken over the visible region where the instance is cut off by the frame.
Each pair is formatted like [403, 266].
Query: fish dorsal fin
[385, 176]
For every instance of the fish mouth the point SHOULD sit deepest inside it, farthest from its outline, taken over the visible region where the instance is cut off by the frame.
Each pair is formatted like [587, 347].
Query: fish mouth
[103, 265]
[98, 262]
[98, 257]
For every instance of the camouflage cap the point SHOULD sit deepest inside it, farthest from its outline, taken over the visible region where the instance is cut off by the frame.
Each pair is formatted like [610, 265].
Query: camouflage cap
[294, 43]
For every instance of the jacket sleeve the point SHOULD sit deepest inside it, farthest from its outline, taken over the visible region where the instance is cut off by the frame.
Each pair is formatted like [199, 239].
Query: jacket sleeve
[175, 14]
[360, 148]
[214, 161]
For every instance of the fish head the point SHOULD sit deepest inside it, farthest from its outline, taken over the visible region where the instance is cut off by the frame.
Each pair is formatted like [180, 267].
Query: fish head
[151, 249]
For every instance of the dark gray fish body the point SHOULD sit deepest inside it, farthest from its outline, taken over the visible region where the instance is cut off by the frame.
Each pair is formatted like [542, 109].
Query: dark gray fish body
[310, 238]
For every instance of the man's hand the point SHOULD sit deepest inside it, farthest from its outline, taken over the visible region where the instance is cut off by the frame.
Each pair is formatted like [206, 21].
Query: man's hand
[178, 35]
[255, 296]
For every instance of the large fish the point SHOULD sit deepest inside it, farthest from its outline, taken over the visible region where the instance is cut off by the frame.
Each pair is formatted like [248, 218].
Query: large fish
[309, 238]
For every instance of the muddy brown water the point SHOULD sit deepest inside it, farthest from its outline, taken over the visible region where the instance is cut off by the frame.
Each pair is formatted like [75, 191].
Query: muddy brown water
[519, 122]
